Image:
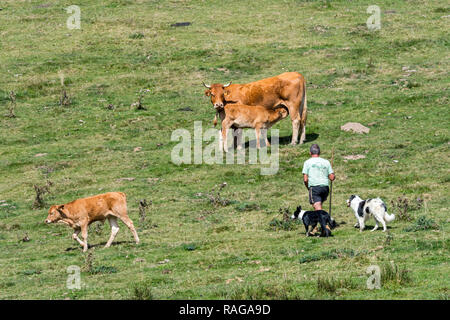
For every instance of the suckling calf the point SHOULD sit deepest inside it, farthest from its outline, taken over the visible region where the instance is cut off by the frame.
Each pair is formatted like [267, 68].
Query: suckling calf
[245, 116]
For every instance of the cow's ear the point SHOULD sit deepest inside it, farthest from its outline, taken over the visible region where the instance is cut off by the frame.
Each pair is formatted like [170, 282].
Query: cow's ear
[60, 210]
[207, 93]
[227, 92]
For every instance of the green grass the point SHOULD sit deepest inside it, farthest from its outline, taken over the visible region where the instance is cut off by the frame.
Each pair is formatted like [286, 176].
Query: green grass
[193, 248]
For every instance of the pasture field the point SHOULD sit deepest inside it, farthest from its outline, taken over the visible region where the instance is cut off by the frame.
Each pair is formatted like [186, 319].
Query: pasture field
[394, 80]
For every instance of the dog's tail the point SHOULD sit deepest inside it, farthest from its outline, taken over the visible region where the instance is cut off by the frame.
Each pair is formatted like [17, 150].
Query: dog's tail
[388, 217]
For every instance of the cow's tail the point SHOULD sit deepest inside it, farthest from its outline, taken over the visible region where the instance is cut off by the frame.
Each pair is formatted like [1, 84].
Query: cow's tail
[303, 104]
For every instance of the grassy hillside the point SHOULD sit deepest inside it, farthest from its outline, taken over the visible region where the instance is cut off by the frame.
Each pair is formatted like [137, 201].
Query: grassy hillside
[395, 81]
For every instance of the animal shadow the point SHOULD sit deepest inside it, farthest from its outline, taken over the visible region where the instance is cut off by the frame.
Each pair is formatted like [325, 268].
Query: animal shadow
[281, 141]
[101, 244]
[370, 227]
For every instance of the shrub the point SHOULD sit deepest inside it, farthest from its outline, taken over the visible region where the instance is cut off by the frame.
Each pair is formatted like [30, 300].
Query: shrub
[247, 206]
[331, 285]
[189, 246]
[402, 205]
[285, 223]
[423, 223]
[392, 273]
[102, 269]
[142, 292]
[281, 291]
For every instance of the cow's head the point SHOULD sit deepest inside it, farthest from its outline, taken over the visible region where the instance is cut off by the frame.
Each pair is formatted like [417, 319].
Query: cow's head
[217, 93]
[55, 214]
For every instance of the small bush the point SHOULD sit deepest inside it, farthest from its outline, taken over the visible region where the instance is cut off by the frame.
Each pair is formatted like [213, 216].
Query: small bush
[402, 206]
[189, 246]
[12, 106]
[7, 284]
[215, 198]
[285, 223]
[423, 223]
[277, 224]
[143, 207]
[31, 272]
[102, 269]
[331, 285]
[247, 206]
[39, 202]
[283, 291]
[391, 273]
[137, 35]
[142, 292]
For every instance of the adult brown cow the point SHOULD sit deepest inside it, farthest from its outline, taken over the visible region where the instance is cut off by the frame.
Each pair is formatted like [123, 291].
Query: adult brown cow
[288, 88]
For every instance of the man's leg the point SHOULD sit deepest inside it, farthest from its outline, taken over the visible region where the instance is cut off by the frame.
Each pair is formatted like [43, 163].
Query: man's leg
[317, 206]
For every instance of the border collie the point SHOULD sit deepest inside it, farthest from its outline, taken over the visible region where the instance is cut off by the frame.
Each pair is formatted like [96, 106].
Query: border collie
[365, 208]
[312, 218]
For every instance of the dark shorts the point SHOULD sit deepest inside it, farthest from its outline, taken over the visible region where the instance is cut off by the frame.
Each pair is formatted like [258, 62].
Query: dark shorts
[318, 194]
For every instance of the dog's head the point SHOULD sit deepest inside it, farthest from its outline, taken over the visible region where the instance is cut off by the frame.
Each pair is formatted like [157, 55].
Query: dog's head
[297, 212]
[349, 201]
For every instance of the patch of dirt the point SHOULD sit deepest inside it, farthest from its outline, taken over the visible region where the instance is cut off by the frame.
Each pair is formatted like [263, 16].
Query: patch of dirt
[354, 157]
[355, 127]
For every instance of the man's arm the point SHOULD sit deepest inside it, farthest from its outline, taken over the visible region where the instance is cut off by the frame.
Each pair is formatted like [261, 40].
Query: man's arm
[305, 180]
[331, 175]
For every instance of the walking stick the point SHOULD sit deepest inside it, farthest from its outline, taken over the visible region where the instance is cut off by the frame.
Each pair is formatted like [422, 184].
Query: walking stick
[331, 182]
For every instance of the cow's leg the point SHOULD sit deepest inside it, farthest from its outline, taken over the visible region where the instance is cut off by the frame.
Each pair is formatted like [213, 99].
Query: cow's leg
[224, 139]
[295, 128]
[303, 117]
[225, 126]
[130, 226]
[258, 137]
[75, 236]
[302, 131]
[264, 133]
[295, 118]
[239, 138]
[294, 104]
[84, 234]
[114, 229]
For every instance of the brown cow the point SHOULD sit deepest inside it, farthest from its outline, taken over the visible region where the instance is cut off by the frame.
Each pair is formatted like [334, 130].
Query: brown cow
[79, 214]
[288, 88]
[244, 116]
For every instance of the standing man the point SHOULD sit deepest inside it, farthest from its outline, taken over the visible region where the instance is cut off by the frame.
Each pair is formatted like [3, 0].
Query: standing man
[316, 173]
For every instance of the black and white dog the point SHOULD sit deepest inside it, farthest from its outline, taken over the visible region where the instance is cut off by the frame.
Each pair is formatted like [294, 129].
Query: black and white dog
[312, 218]
[365, 208]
